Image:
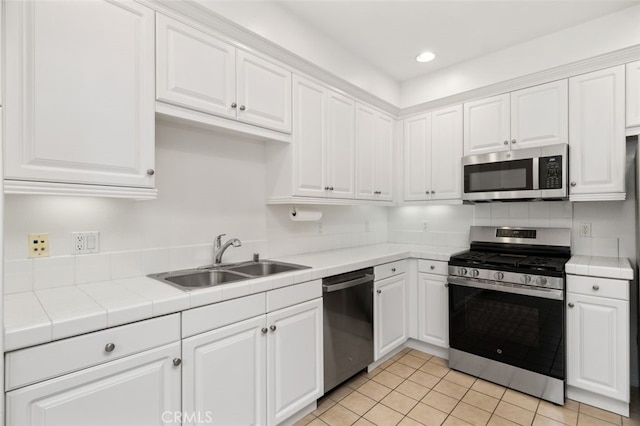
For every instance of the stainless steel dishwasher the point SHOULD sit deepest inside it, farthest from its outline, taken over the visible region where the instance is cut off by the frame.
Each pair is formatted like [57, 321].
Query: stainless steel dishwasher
[348, 325]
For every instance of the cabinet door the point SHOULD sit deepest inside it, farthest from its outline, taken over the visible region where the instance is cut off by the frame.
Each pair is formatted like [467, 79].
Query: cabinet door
[540, 115]
[597, 132]
[446, 153]
[263, 92]
[417, 157]
[308, 138]
[598, 345]
[81, 108]
[194, 70]
[390, 314]
[433, 310]
[294, 359]
[633, 94]
[383, 164]
[224, 374]
[340, 146]
[142, 389]
[365, 152]
[486, 125]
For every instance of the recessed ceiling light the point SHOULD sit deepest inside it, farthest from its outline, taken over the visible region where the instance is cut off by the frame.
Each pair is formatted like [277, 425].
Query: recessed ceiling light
[425, 57]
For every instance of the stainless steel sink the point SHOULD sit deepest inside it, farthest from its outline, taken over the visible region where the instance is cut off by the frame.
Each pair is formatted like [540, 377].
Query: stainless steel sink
[190, 279]
[263, 268]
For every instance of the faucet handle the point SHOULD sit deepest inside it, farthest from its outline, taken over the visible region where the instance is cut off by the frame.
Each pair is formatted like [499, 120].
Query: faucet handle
[218, 241]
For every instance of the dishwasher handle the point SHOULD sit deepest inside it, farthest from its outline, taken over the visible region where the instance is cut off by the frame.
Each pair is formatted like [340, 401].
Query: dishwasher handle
[347, 284]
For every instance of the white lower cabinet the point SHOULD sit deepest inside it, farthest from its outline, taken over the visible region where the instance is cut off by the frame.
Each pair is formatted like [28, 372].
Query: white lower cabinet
[141, 389]
[389, 311]
[259, 371]
[433, 309]
[598, 342]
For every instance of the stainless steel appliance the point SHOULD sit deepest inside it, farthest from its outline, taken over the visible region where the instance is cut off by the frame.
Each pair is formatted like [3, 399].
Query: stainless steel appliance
[506, 308]
[348, 325]
[523, 174]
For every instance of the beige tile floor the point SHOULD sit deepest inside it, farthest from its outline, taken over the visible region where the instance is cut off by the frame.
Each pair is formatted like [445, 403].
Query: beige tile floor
[414, 388]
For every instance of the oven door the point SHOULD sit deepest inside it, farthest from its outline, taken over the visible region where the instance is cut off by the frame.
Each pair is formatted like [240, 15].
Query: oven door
[513, 179]
[517, 329]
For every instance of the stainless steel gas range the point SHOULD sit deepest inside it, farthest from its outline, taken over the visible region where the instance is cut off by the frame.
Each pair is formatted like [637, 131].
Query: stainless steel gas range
[506, 308]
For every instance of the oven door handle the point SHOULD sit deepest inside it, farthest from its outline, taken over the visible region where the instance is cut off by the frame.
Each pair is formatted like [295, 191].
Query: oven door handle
[511, 288]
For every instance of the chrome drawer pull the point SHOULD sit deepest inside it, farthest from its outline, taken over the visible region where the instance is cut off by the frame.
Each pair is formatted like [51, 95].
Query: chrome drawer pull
[109, 347]
[596, 287]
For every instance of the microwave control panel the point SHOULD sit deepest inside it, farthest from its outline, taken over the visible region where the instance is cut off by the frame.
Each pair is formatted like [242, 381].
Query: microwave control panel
[550, 172]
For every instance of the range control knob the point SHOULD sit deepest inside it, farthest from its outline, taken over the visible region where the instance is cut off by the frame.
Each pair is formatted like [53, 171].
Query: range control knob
[498, 276]
[541, 281]
[525, 279]
[462, 271]
[474, 273]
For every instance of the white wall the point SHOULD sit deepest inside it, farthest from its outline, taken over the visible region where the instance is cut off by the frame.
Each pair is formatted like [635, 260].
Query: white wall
[276, 24]
[446, 225]
[593, 38]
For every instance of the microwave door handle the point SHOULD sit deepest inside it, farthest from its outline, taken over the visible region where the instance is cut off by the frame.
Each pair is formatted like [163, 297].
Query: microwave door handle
[535, 173]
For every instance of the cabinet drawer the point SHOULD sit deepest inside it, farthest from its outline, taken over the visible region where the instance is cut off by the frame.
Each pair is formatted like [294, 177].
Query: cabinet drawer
[205, 318]
[595, 286]
[43, 362]
[433, 267]
[292, 295]
[390, 269]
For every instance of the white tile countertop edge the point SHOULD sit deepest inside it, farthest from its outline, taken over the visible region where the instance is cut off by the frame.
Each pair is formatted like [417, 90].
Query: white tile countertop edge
[600, 266]
[33, 318]
[38, 317]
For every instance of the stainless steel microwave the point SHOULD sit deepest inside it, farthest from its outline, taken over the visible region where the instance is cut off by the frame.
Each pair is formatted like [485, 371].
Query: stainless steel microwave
[523, 174]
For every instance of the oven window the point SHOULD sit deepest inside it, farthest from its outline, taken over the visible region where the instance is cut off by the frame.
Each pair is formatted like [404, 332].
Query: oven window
[500, 176]
[522, 331]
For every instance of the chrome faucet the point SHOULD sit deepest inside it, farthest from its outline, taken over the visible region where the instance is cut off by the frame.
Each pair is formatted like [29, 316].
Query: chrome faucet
[219, 248]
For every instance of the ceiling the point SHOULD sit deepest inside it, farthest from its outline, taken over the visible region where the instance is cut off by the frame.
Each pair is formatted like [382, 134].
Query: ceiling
[389, 34]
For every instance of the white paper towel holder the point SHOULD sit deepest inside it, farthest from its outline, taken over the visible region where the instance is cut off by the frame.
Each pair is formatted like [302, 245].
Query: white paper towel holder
[295, 215]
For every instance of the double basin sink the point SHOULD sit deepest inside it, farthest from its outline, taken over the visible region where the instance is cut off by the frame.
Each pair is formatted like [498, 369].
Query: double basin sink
[190, 279]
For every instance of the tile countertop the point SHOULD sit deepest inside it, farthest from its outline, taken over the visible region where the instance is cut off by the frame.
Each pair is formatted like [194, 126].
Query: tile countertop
[598, 266]
[33, 318]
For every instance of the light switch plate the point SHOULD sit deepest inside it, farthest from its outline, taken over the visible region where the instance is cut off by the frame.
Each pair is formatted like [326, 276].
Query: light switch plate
[85, 242]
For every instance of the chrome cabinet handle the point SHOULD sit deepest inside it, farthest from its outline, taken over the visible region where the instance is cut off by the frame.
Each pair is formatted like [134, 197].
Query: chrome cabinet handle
[596, 287]
[151, 172]
[234, 105]
[513, 141]
[378, 291]
[264, 330]
[331, 188]
[506, 142]
[432, 267]
[433, 192]
[326, 188]
[571, 305]
[446, 284]
[393, 269]
[177, 361]
[109, 347]
[242, 107]
[273, 328]
[573, 184]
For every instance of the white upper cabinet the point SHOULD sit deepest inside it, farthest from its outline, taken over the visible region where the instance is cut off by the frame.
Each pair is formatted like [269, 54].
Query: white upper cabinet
[540, 115]
[374, 154]
[79, 94]
[597, 135]
[486, 125]
[531, 117]
[195, 70]
[340, 145]
[323, 145]
[433, 155]
[633, 95]
[446, 153]
[198, 71]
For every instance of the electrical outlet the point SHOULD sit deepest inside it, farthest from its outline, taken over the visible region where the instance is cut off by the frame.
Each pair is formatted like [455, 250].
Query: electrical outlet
[38, 245]
[425, 226]
[585, 229]
[85, 242]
